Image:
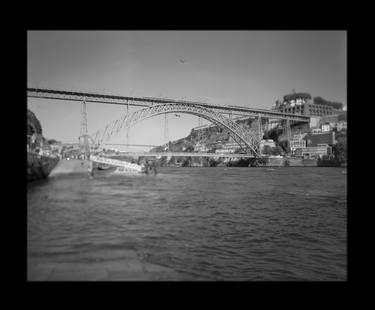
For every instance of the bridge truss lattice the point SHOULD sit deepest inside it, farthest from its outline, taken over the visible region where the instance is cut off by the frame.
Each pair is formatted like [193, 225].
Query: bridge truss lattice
[248, 140]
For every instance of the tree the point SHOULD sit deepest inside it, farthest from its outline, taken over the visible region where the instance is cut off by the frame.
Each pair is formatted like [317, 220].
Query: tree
[33, 124]
[52, 141]
[284, 145]
[340, 149]
[212, 162]
[322, 101]
[190, 148]
[186, 162]
[295, 96]
[273, 134]
[172, 161]
[163, 161]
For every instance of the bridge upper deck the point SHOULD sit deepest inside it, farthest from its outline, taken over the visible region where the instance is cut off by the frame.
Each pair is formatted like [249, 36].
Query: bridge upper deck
[181, 154]
[149, 101]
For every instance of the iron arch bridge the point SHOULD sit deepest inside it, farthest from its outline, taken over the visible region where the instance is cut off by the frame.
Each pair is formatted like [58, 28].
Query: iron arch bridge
[247, 140]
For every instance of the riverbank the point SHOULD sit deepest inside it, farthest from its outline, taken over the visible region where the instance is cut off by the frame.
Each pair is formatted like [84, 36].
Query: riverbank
[77, 166]
[198, 162]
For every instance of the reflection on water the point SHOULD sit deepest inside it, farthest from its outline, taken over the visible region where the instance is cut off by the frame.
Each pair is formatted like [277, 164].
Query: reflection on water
[208, 223]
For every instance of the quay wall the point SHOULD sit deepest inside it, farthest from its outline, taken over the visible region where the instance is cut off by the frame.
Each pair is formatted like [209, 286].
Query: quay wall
[289, 162]
[274, 162]
[65, 166]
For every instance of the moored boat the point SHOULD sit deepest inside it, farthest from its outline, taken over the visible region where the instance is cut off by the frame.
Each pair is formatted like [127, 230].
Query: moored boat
[127, 171]
[103, 167]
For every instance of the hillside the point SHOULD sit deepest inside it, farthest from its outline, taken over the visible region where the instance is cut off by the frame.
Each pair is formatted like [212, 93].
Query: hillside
[33, 124]
[34, 127]
[211, 137]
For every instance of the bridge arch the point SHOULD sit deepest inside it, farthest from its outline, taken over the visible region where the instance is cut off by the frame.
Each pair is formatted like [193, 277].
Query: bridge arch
[245, 139]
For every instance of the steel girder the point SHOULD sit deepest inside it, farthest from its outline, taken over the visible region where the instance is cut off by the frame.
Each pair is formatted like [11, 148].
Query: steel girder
[248, 140]
[148, 101]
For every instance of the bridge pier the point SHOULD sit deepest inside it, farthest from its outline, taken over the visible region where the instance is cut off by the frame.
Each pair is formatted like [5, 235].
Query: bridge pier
[91, 169]
[288, 132]
[260, 130]
[127, 129]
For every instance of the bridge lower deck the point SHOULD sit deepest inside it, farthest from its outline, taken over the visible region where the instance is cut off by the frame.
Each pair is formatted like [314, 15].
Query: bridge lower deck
[182, 154]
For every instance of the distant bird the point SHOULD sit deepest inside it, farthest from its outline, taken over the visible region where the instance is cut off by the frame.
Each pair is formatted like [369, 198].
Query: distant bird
[182, 61]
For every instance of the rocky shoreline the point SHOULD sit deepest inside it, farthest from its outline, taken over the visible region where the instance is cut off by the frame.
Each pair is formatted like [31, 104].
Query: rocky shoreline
[39, 166]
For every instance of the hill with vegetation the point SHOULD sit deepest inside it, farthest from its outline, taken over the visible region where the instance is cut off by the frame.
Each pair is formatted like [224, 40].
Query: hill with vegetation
[316, 100]
[34, 127]
[33, 124]
[340, 148]
[211, 137]
[333, 104]
[295, 96]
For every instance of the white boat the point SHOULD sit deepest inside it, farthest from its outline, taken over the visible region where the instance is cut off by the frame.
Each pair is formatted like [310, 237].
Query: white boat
[103, 167]
[127, 171]
[122, 166]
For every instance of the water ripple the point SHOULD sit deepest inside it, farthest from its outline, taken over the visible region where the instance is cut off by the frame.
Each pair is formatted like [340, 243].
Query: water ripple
[210, 223]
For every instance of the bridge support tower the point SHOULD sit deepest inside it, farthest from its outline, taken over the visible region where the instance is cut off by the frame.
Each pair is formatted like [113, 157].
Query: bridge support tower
[288, 132]
[84, 137]
[260, 128]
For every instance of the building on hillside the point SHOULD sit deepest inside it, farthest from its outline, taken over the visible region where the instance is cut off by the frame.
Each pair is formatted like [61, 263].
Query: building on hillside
[316, 151]
[217, 145]
[229, 148]
[337, 121]
[314, 121]
[316, 131]
[326, 138]
[329, 119]
[200, 147]
[302, 103]
[297, 142]
[305, 107]
[298, 152]
[326, 127]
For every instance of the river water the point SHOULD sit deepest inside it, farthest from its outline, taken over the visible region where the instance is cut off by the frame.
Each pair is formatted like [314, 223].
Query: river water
[206, 223]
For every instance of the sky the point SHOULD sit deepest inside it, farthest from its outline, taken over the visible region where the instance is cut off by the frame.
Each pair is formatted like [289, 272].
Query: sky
[248, 68]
